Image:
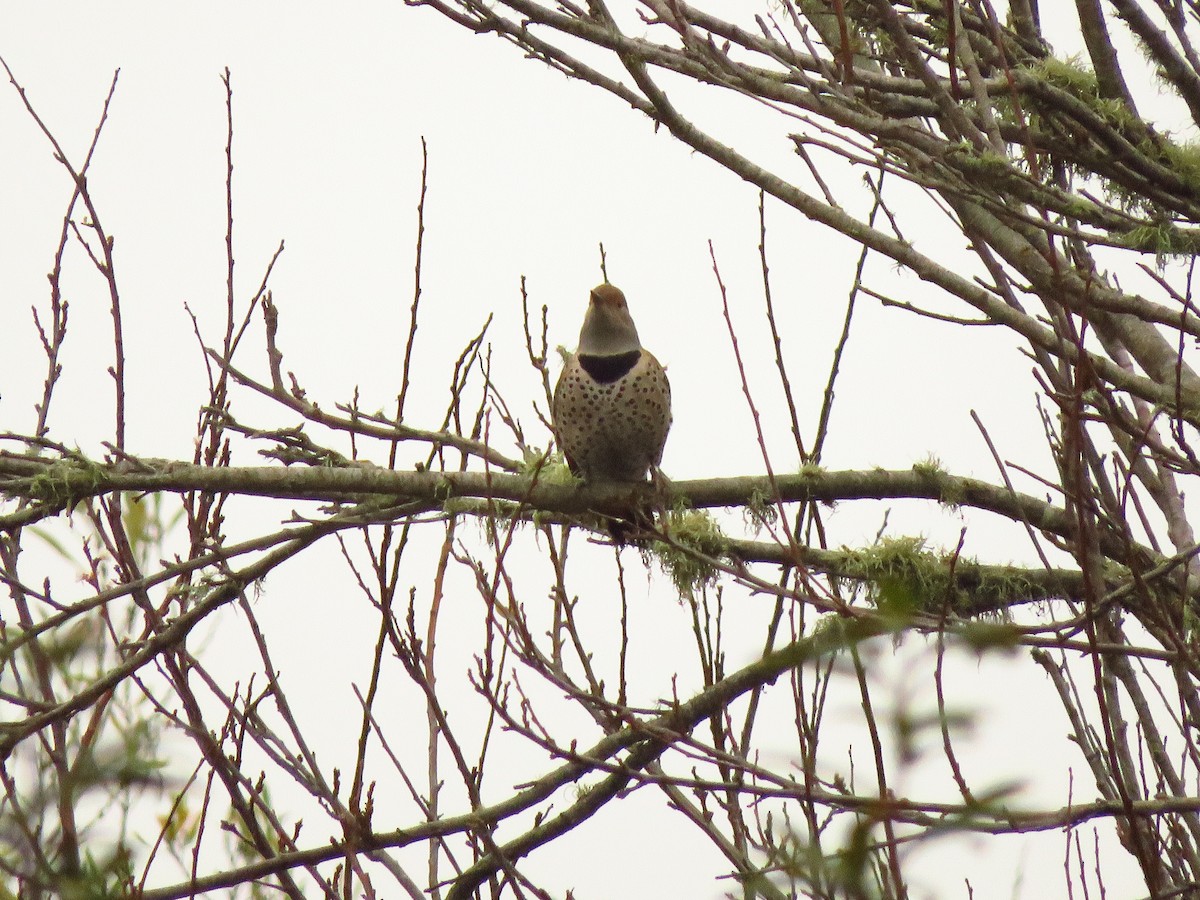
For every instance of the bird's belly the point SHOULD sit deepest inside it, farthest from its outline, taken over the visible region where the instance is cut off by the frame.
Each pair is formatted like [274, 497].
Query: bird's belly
[621, 447]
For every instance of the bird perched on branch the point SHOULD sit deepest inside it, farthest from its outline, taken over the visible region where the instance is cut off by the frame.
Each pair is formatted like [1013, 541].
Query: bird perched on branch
[612, 403]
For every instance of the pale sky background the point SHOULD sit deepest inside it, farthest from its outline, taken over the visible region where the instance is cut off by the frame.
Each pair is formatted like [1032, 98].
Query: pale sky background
[528, 173]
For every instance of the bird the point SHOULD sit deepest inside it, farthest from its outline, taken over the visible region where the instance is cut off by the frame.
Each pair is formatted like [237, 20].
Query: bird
[612, 403]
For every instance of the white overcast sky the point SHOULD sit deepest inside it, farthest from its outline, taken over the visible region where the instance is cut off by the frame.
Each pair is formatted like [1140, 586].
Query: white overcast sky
[528, 173]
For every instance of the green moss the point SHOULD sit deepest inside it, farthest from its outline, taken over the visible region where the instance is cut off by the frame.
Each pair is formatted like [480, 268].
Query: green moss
[930, 467]
[1163, 240]
[696, 531]
[548, 468]
[556, 471]
[988, 165]
[1079, 80]
[905, 579]
[760, 512]
[949, 488]
[1184, 160]
[1070, 74]
[1078, 208]
[66, 482]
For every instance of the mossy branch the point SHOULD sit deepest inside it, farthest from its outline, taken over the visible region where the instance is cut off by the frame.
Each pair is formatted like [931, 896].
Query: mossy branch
[978, 587]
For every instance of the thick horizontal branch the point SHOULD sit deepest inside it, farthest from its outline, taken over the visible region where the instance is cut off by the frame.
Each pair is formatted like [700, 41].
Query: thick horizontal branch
[368, 494]
[46, 480]
[63, 483]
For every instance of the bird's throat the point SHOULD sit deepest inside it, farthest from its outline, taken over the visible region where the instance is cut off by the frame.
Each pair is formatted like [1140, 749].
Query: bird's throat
[607, 369]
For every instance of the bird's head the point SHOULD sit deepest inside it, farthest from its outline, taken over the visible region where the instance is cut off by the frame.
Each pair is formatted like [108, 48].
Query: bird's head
[608, 329]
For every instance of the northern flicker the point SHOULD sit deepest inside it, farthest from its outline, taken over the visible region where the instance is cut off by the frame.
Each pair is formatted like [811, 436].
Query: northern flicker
[612, 403]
